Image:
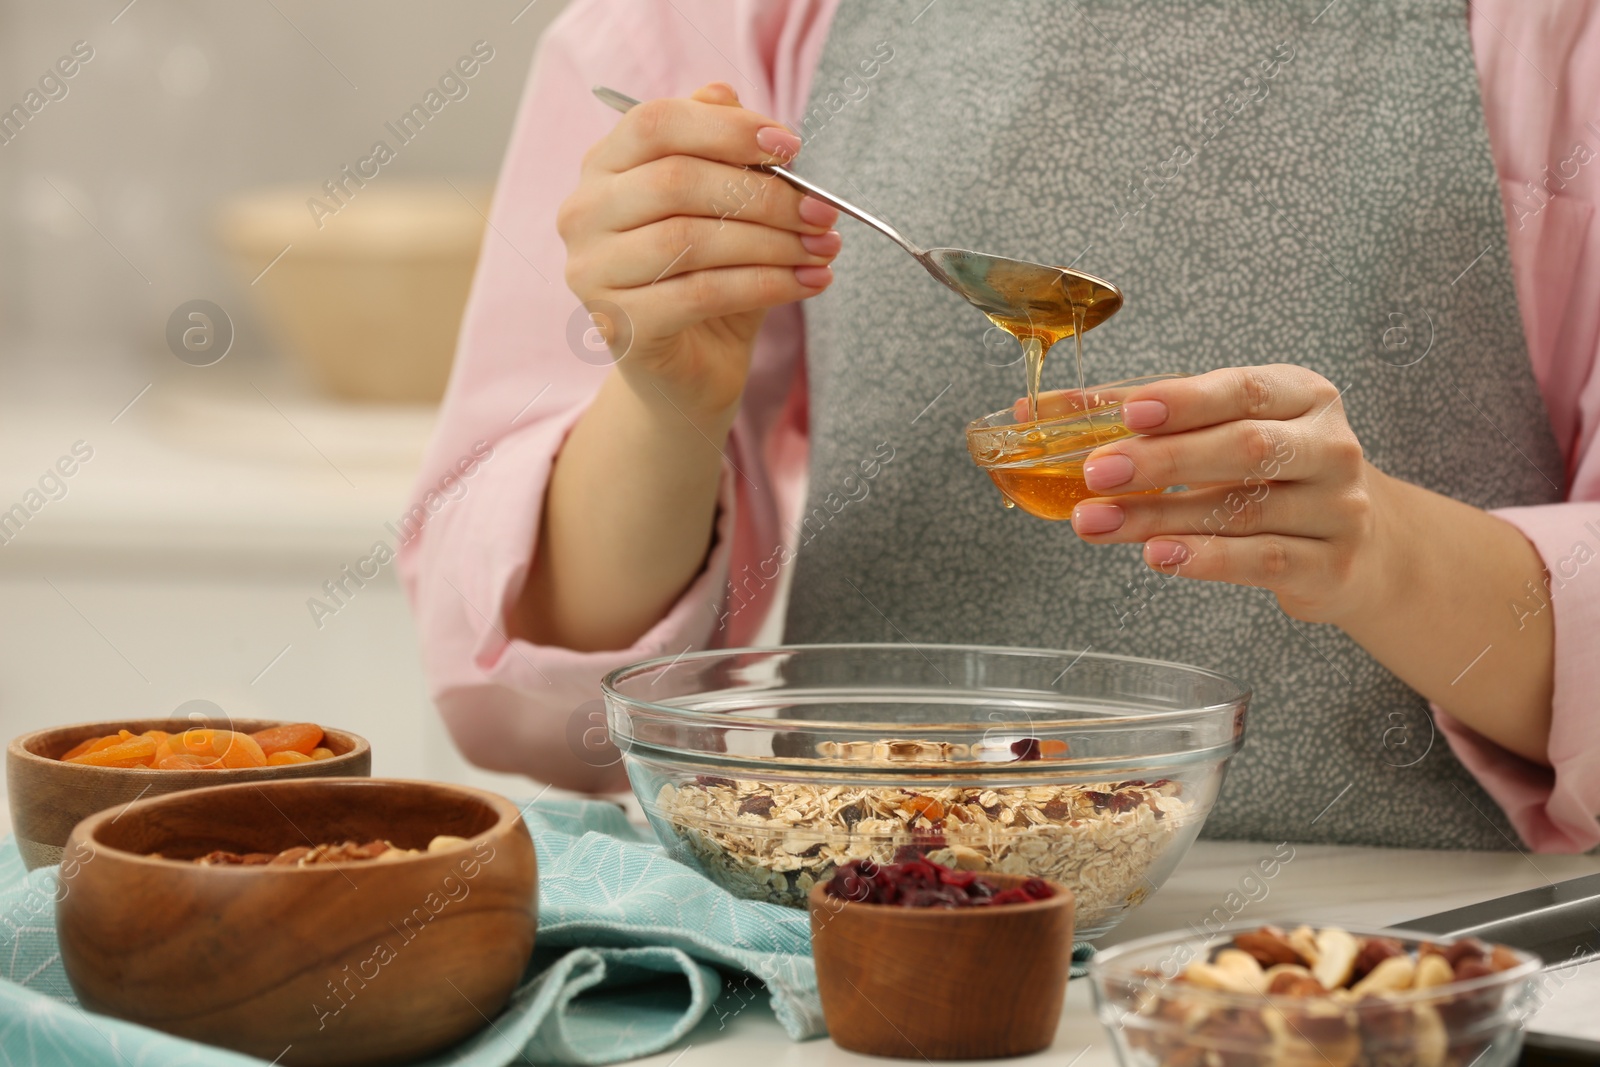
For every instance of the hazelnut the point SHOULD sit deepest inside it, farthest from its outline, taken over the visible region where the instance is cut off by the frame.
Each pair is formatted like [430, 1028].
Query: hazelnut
[1374, 950]
[1390, 976]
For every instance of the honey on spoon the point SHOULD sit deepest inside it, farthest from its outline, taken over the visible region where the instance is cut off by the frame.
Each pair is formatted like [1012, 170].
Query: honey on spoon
[1036, 303]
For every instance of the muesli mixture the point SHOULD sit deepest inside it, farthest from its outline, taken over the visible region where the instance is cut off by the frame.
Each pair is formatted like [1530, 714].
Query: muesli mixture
[773, 841]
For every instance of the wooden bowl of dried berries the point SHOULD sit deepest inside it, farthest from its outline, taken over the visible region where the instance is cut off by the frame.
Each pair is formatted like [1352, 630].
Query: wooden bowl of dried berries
[322, 921]
[917, 960]
[1271, 995]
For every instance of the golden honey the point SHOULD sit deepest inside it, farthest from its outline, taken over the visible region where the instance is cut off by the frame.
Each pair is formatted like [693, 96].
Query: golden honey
[1039, 467]
[1037, 337]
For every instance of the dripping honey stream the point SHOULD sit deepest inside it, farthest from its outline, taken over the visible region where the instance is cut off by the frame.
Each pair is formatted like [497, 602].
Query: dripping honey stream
[1035, 455]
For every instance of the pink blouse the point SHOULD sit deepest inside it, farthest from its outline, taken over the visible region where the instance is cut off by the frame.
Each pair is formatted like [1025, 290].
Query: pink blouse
[520, 383]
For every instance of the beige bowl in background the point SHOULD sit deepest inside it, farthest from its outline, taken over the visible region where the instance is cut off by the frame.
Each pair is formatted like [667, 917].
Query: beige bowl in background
[368, 299]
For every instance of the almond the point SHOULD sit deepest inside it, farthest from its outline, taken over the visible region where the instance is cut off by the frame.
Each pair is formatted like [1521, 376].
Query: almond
[1269, 945]
[1288, 984]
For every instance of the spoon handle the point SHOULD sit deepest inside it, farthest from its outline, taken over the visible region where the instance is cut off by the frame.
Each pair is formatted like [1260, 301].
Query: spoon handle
[621, 102]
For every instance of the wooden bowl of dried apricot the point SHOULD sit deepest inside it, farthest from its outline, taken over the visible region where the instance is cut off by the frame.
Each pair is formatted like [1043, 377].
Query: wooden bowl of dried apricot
[59, 776]
[332, 921]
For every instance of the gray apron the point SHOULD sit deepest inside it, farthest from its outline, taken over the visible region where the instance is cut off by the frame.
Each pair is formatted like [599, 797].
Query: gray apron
[1266, 184]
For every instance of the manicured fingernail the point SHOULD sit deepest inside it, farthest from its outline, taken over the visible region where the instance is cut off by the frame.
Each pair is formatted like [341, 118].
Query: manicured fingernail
[813, 277]
[1096, 518]
[817, 213]
[777, 141]
[1166, 553]
[822, 244]
[1143, 414]
[1107, 472]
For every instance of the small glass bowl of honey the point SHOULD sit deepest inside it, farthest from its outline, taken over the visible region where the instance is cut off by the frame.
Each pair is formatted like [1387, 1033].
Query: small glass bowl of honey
[1038, 464]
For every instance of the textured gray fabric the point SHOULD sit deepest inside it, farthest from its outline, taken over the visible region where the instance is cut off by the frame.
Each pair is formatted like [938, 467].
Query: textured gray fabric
[1348, 196]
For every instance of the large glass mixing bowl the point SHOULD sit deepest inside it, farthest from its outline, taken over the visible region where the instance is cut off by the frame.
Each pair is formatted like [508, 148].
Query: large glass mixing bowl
[765, 768]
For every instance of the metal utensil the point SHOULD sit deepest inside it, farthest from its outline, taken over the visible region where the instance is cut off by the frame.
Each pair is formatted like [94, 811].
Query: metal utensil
[1012, 290]
[1556, 922]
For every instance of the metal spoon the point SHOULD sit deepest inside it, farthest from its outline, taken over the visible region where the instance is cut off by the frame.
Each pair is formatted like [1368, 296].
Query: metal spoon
[1014, 291]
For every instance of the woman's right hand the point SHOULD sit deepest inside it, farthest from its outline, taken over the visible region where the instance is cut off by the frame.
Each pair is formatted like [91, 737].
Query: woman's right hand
[670, 224]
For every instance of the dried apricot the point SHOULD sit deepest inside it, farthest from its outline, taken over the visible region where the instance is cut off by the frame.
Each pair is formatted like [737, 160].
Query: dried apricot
[80, 748]
[135, 753]
[199, 747]
[284, 757]
[927, 807]
[195, 742]
[186, 763]
[301, 737]
[239, 750]
[232, 749]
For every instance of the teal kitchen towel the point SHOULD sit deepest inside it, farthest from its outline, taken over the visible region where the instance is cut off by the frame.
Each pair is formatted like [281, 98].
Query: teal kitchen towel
[633, 949]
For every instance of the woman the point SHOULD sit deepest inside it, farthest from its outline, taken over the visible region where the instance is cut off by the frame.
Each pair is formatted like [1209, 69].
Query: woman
[1390, 486]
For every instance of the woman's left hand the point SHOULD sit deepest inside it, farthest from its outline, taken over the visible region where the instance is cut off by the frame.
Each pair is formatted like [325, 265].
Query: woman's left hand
[1278, 493]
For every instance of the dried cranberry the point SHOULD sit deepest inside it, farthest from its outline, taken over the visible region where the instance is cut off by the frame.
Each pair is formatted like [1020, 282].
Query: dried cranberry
[962, 879]
[710, 780]
[1029, 748]
[1101, 801]
[919, 882]
[1057, 809]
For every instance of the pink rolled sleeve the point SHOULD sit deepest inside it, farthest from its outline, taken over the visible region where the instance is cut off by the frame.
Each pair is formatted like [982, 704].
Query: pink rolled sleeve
[519, 385]
[1539, 66]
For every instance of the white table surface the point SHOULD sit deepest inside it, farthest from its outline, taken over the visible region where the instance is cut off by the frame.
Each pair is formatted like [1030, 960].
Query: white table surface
[1322, 883]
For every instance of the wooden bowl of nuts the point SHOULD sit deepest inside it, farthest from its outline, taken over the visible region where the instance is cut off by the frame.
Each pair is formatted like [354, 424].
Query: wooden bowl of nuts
[321, 922]
[1301, 995]
[920, 961]
[57, 777]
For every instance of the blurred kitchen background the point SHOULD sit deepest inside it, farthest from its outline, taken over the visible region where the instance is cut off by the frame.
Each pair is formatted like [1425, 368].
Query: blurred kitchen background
[174, 165]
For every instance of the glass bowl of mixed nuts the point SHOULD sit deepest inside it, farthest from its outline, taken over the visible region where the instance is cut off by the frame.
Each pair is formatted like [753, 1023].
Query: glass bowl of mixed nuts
[768, 768]
[1264, 996]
